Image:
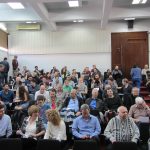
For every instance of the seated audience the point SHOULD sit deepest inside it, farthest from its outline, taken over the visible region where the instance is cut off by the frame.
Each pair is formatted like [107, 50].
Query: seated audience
[71, 107]
[122, 128]
[32, 126]
[7, 96]
[56, 129]
[42, 108]
[5, 123]
[139, 109]
[86, 126]
[42, 91]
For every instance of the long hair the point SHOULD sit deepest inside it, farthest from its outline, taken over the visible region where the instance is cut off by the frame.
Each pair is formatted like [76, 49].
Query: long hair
[23, 91]
[53, 117]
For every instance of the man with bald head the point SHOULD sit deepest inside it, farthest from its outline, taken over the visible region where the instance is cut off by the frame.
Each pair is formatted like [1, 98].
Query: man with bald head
[122, 128]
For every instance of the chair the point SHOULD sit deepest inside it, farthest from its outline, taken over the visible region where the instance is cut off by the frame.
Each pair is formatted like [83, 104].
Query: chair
[28, 143]
[85, 144]
[124, 146]
[8, 144]
[46, 144]
[144, 132]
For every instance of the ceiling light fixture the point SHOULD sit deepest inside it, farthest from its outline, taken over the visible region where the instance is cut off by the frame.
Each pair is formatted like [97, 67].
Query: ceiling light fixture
[74, 20]
[129, 19]
[3, 27]
[16, 5]
[80, 21]
[73, 3]
[139, 1]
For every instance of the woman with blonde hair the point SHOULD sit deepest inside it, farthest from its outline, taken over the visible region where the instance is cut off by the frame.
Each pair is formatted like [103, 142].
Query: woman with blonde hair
[56, 129]
[32, 126]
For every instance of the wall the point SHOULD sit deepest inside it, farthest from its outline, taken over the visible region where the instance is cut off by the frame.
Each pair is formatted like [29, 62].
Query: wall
[74, 45]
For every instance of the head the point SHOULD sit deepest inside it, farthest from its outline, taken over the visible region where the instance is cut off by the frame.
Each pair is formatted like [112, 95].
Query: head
[73, 93]
[135, 91]
[15, 57]
[125, 81]
[42, 89]
[139, 102]
[33, 111]
[122, 112]
[116, 67]
[5, 58]
[94, 93]
[146, 66]
[53, 117]
[5, 87]
[85, 110]
[53, 94]
[2, 110]
[40, 100]
[109, 92]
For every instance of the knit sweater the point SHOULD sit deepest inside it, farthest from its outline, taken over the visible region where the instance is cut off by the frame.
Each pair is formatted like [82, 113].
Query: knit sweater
[122, 130]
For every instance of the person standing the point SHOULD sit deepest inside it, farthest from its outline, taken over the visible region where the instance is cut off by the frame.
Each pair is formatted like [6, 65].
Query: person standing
[15, 65]
[6, 69]
[136, 76]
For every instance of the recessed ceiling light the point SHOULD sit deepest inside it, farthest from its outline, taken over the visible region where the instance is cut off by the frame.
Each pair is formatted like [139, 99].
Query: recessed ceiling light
[139, 1]
[73, 3]
[80, 21]
[129, 19]
[144, 1]
[16, 5]
[3, 27]
[74, 20]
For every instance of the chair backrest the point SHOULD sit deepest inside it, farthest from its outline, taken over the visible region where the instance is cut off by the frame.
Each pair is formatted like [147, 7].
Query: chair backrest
[85, 144]
[46, 144]
[8, 144]
[28, 143]
[144, 132]
[124, 146]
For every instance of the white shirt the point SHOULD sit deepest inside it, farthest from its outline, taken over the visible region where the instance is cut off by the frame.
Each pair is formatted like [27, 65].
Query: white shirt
[30, 128]
[56, 132]
[46, 95]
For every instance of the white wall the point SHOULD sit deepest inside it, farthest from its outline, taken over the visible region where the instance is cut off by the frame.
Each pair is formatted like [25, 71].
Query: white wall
[3, 54]
[77, 61]
[73, 45]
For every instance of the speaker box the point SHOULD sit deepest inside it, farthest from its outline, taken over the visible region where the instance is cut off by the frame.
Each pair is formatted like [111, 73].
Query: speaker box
[130, 24]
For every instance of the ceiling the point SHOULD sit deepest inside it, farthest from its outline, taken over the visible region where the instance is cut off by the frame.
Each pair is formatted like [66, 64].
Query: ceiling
[53, 12]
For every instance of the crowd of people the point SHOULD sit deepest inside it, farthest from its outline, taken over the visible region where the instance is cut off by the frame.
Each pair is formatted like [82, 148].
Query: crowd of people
[37, 104]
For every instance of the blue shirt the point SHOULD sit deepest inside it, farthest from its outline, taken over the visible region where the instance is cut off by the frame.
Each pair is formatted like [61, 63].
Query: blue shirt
[93, 104]
[136, 73]
[5, 126]
[42, 112]
[90, 127]
[7, 97]
[73, 104]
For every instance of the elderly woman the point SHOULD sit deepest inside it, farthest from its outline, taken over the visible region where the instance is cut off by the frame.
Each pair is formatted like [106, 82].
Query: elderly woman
[139, 109]
[56, 128]
[32, 126]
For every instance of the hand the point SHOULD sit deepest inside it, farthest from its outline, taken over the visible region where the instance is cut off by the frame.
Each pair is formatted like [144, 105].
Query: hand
[33, 135]
[78, 113]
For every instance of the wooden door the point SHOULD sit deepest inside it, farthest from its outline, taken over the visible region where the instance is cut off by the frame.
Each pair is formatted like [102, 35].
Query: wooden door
[129, 49]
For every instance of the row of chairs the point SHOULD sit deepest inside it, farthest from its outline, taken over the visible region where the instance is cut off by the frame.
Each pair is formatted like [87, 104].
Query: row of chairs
[30, 144]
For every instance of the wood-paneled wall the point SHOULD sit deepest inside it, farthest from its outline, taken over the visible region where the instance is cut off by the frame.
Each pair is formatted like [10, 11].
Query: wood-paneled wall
[3, 39]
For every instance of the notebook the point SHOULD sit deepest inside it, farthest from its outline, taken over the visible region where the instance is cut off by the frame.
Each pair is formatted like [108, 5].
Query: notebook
[144, 119]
